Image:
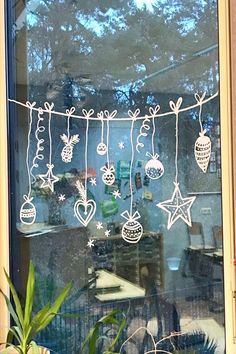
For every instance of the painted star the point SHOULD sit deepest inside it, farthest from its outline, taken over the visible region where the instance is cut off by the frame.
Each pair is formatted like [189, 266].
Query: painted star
[116, 194]
[48, 178]
[177, 207]
[99, 225]
[121, 145]
[61, 197]
[90, 243]
[93, 181]
[107, 233]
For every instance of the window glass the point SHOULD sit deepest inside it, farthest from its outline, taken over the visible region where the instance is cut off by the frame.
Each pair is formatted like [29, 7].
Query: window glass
[116, 168]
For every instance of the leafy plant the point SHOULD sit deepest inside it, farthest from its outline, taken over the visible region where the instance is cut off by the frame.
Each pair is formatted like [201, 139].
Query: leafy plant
[26, 325]
[94, 339]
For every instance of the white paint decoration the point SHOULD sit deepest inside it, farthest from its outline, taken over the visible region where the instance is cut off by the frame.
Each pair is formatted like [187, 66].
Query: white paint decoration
[101, 148]
[122, 119]
[90, 243]
[177, 207]
[85, 209]
[145, 126]
[49, 178]
[132, 230]
[202, 147]
[116, 194]
[155, 344]
[27, 210]
[154, 168]
[69, 141]
[38, 155]
[99, 225]
[108, 176]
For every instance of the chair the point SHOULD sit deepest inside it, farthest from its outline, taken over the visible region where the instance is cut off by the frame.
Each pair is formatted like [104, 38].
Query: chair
[217, 232]
[193, 253]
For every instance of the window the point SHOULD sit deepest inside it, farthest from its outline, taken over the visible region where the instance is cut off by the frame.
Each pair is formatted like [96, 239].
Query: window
[114, 58]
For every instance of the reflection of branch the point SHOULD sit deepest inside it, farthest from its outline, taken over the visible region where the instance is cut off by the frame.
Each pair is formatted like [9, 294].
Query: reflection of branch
[155, 344]
[123, 93]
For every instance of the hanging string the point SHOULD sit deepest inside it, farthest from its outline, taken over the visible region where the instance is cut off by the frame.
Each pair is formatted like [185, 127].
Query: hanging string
[49, 110]
[40, 148]
[108, 130]
[200, 99]
[124, 118]
[133, 115]
[30, 106]
[86, 157]
[69, 113]
[153, 135]
[176, 110]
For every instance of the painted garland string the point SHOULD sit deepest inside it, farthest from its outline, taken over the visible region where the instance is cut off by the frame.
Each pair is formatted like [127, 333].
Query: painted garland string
[85, 208]
[177, 207]
[69, 141]
[202, 147]
[28, 210]
[132, 230]
[158, 115]
[154, 169]
[49, 178]
[108, 170]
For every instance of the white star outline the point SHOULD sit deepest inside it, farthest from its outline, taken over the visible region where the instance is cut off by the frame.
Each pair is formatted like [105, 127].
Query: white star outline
[121, 145]
[116, 194]
[48, 178]
[99, 225]
[90, 243]
[177, 207]
[93, 181]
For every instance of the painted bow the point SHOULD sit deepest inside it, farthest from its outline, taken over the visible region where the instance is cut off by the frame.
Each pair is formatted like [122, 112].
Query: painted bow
[129, 217]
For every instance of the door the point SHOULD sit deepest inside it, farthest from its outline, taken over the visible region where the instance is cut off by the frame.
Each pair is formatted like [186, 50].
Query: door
[116, 167]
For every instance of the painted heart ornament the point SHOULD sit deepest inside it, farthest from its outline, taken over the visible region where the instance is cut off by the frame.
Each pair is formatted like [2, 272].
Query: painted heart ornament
[84, 210]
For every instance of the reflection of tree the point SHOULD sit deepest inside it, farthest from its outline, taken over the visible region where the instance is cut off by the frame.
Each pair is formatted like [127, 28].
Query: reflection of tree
[114, 45]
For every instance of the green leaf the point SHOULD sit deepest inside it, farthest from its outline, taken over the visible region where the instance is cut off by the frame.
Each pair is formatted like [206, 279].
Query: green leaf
[16, 300]
[29, 295]
[36, 322]
[46, 316]
[12, 311]
[8, 350]
[35, 348]
[119, 332]
[15, 331]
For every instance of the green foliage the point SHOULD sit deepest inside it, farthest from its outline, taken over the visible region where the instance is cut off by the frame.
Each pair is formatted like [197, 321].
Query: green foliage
[26, 326]
[93, 338]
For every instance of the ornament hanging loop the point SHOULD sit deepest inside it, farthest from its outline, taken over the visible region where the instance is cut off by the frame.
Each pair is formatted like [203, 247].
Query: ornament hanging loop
[70, 111]
[111, 115]
[153, 111]
[30, 105]
[199, 98]
[134, 114]
[176, 106]
[153, 156]
[126, 215]
[48, 106]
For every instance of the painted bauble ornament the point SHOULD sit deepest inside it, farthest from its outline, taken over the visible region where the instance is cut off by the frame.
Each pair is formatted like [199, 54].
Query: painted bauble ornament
[132, 230]
[154, 168]
[108, 176]
[67, 151]
[27, 211]
[101, 149]
[202, 151]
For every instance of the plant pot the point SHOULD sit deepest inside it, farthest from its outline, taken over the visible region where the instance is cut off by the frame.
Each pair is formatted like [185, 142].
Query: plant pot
[11, 350]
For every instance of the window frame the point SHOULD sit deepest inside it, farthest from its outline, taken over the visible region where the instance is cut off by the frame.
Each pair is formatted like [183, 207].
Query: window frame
[227, 92]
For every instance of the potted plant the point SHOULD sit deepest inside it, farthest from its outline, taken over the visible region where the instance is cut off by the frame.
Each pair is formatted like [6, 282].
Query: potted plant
[26, 325]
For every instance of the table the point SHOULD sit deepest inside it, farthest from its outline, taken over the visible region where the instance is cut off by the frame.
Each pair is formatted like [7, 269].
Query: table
[127, 290]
